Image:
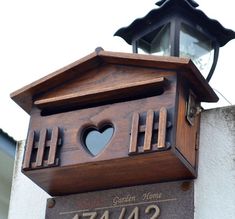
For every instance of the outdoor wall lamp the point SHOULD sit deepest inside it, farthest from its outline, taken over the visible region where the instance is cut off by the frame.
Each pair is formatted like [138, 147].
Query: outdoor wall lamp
[177, 28]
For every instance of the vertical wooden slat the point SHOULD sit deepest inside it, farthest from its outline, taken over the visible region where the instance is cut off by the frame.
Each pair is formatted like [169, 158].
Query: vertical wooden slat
[162, 128]
[41, 147]
[28, 151]
[134, 133]
[148, 130]
[53, 145]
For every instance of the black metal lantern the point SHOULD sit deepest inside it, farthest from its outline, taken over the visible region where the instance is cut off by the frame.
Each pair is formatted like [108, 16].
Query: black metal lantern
[177, 28]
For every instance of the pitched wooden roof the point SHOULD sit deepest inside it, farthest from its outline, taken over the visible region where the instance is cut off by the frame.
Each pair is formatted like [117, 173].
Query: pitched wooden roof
[24, 96]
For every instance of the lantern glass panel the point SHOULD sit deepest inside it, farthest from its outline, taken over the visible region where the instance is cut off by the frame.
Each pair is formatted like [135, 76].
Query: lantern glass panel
[157, 42]
[195, 45]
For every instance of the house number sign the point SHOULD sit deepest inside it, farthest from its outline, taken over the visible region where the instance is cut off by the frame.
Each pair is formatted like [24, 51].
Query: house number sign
[133, 214]
[154, 201]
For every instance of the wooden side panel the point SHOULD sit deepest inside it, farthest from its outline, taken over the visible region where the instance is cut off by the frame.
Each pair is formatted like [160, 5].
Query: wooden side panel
[186, 134]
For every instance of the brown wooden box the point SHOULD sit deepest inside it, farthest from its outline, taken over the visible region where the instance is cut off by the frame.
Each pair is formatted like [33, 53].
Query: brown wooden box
[151, 103]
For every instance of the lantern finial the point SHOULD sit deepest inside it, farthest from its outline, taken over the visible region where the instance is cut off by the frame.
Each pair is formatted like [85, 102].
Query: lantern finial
[191, 2]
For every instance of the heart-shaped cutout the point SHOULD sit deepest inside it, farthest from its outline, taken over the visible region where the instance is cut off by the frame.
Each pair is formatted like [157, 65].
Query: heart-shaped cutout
[96, 139]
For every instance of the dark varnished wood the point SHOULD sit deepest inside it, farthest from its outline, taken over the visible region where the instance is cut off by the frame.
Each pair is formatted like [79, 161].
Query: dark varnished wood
[24, 96]
[107, 93]
[134, 132]
[53, 146]
[142, 97]
[41, 151]
[148, 130]
[143, 169]
[186, 135]
[120, 115]
[41, 147]
[28, 150]
[162, 128]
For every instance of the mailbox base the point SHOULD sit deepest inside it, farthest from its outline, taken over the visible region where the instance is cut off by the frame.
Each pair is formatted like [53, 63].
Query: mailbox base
[141, 169]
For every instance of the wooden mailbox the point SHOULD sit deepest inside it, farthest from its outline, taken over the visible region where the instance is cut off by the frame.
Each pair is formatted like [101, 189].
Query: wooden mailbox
[150, 104]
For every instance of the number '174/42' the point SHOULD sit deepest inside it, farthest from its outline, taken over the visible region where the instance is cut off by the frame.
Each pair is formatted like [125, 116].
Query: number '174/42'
[151, 211]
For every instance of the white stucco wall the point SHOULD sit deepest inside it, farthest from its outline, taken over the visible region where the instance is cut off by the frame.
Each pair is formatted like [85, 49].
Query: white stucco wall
[214, 187]
[28, 201]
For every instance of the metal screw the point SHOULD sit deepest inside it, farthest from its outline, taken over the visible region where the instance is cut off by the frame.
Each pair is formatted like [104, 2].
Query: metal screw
[185, 186]
[51, 202]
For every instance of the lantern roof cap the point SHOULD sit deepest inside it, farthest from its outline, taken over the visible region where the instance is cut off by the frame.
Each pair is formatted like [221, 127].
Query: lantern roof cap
[222, 35]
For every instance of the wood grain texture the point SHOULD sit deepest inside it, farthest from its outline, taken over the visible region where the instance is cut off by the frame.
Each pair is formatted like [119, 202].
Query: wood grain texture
[186, 135]
[134, 133]
[148, 130]
[165, 166]
[142, 97]
[110, 92]
[28, 150]
[25, 96]
[41, 147]
[162, 128]
[119, 115]
[53, 146]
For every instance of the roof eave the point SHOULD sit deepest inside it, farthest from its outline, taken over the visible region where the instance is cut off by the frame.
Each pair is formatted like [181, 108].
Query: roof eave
[24, 97]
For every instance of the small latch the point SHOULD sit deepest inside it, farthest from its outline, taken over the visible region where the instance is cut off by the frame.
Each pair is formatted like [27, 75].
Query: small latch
[193, 108]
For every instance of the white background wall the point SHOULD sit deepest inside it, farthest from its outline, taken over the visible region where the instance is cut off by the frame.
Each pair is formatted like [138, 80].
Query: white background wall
[28, 201]
[214, 187]
[41, 36]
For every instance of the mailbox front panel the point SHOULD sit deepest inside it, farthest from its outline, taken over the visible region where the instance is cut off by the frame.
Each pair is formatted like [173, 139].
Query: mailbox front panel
[136, 127]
